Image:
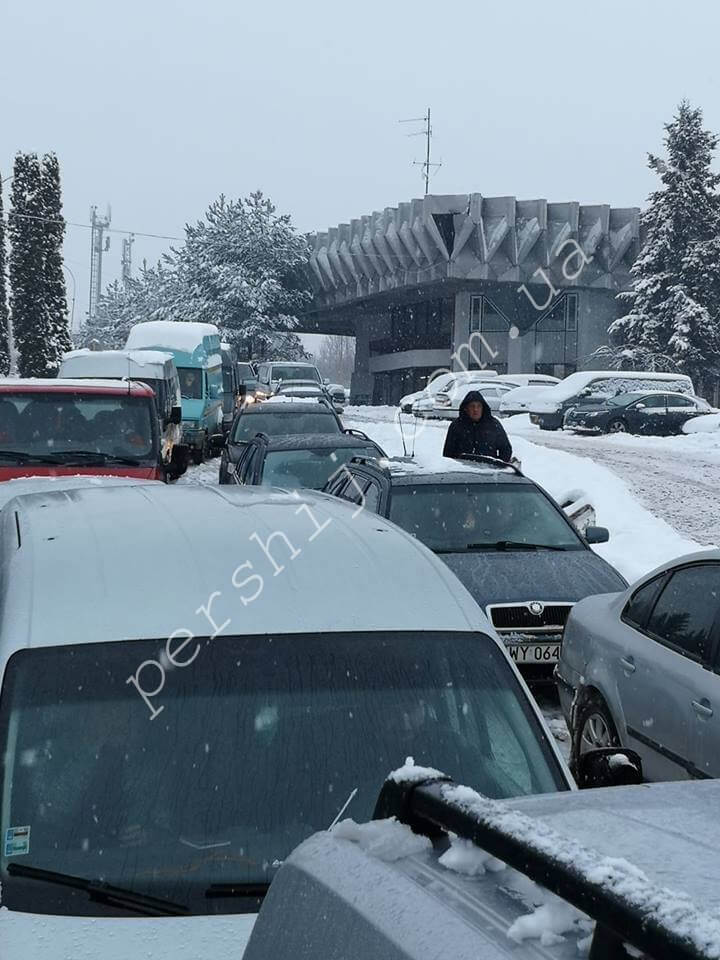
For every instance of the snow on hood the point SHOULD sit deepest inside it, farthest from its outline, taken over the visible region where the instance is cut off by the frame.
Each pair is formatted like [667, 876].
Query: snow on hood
[707, 423]
[171, 334]
[27, 936]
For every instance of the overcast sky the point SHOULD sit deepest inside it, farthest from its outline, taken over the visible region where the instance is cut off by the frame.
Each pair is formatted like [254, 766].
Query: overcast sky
[156, 107]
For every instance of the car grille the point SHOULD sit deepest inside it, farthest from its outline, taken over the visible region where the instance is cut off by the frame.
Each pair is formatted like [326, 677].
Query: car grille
[512, 618]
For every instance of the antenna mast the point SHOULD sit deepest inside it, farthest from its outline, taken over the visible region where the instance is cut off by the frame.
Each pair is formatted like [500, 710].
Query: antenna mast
[98, 246]
[426, 132]
[126, 262]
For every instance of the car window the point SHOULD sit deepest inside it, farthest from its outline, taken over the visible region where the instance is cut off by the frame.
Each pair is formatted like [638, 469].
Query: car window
[686, 609]
[322, 420]
[310, 469]
[317, 718]
[653, 401]
[247, 462]
[371, 496]
[676, 402]
[638, 607]
[459, 517]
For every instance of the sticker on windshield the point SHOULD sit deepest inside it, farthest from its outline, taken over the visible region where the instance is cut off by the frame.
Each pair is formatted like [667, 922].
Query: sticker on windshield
[17, 841]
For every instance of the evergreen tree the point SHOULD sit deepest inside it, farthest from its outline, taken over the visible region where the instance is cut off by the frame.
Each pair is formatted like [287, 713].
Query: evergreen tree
[673, 321]
[4, 316]
[36, 356]
[55, 300]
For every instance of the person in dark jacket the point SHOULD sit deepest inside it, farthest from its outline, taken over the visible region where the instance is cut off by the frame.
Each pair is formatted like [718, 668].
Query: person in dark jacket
[477, 431]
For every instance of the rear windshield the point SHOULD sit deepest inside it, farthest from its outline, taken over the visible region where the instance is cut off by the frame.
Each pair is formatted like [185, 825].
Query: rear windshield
[456, 517]
[69, 428]
[276, 424]
[260, 742]
[310, 469]
[279, 372]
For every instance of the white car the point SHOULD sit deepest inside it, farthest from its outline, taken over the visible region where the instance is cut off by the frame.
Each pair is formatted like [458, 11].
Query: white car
[520, 399]
[529, 379]
[447, 404]
[434, 387]
[214, 688]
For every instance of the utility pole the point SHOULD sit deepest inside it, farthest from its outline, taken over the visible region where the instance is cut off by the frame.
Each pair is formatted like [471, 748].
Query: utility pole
[426, 132]
[126, 262]
[99, 244]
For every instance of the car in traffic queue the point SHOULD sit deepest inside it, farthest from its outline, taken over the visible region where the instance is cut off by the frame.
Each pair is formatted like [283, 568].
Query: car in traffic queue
[247, 380]
[164, 754]
[298, 461]
[640, 412]
[64, 427]
[196, 350]
[641, 669]
[615, 873]
[272, 373]
[548, 409]
[501, 534]
[152, 367]
[231, 394]
[278, 415]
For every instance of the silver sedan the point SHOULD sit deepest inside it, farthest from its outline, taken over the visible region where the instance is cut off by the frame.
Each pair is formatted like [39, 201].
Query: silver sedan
[641, 669]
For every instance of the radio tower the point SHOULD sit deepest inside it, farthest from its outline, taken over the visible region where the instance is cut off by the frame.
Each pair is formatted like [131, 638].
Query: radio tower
[126, 261]
[99, 244]
[426, 165]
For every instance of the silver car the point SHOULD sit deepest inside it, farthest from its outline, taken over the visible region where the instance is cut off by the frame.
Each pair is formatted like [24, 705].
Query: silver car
[640, 669]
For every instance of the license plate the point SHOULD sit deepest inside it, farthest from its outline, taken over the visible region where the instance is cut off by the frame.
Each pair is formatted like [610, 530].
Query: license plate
[523, 653]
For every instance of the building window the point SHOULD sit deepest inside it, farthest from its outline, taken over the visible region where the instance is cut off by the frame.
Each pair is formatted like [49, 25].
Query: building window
[489, 349]
[556, 338]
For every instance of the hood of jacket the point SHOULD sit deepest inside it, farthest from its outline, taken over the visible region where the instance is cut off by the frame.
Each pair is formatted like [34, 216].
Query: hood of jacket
[474, 396]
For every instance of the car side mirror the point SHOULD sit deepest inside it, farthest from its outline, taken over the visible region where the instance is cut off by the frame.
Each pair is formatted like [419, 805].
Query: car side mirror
[639, 406]
[175, 415]
[217, 442]
[608, 767]
[326, 381]
[597, 534]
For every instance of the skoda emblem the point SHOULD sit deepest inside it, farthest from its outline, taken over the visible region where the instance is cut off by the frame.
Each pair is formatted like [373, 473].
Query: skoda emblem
[536, 608]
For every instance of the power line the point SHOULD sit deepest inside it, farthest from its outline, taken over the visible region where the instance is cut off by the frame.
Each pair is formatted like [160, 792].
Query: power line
[88, 226]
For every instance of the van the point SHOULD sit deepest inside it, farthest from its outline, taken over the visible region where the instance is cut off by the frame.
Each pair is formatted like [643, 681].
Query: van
[548, 409]
[196, 350]
[60, 428]
[167, 744]
[272, 373]
[155, 369]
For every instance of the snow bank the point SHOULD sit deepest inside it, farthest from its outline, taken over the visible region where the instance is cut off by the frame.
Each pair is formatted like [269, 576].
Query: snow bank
[708, 423]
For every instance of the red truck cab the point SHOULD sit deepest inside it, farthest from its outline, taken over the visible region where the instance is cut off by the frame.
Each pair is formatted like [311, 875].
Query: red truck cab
[69, 427]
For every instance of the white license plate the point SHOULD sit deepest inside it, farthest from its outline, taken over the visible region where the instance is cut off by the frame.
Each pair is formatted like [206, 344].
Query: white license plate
[524, 653]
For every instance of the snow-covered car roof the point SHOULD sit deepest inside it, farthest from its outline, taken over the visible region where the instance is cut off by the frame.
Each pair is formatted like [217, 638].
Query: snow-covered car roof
[90, 385]
[520, 394]
[101, 563]
[170, 334]
[651, 853]
[114, 364]
[20, 486]
[291, 404]
[447, 470]
[572, 385]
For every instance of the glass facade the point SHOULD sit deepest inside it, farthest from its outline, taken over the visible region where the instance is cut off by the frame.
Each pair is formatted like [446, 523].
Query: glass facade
[555, 348]
[489, 336]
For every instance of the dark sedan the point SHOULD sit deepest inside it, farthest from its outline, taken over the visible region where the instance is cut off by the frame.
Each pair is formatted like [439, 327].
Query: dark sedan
[650, 414]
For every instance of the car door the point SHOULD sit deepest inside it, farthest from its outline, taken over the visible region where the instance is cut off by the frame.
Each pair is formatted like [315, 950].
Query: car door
[680, 409]
[662, 672]
[648, 415]
[706, 744]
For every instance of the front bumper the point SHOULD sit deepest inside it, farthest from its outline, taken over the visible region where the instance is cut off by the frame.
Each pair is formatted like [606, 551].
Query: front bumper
[567, 687]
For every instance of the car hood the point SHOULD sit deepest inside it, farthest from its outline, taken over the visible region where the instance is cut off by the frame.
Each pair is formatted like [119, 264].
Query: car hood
[500, 576]
[28, 936]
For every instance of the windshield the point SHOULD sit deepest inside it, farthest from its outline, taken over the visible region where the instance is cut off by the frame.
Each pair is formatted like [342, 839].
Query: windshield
[53, 426]
[280, 372]
[462, 516]
[309, 468]
[245, 371]
[261, 742]
[273, 424]
[191, 383]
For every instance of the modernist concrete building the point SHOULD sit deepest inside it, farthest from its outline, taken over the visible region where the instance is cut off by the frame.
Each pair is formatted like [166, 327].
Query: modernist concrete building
[467, 281]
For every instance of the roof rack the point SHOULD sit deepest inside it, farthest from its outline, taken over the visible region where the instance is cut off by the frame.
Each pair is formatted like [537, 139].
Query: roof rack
[355, 433]
[424, 805]
[495, 461]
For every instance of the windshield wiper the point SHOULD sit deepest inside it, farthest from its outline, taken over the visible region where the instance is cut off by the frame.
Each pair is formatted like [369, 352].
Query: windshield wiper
[255, 891]
[103, 892]
[95, 456]
[22, 457]
[513, 545]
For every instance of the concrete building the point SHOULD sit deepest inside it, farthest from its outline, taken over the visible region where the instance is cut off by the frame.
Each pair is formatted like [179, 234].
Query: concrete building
[468, 281]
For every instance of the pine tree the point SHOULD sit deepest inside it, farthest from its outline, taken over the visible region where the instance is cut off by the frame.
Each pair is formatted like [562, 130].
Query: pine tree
[4, 316]
[673, 321]
[55, 300]
[27, 269]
